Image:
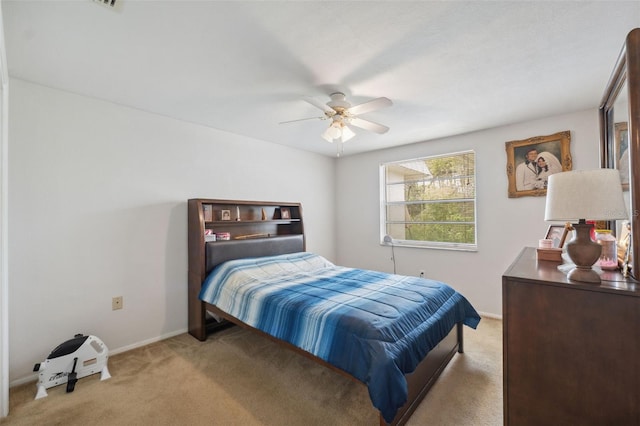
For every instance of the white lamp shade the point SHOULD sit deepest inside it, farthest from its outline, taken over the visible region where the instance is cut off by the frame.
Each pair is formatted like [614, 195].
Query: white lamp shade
[585, 194]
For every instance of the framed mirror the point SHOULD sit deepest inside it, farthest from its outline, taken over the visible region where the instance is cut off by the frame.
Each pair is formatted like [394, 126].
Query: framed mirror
[620, 138]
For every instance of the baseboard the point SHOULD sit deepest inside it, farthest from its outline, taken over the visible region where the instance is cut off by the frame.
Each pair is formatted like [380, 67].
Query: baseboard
[34, 377]
[146, 342]
[490, 315]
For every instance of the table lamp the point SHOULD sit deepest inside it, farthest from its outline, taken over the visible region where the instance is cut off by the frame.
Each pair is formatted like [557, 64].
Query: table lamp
[584, 195]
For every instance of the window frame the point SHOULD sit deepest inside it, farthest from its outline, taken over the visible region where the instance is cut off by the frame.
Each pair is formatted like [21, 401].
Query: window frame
[422, 243]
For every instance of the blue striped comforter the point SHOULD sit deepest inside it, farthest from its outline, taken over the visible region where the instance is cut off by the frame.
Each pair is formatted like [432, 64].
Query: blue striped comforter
[373, 325]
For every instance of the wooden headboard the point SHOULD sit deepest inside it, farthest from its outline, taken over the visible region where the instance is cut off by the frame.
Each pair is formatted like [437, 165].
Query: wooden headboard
[216, 253]
[254, 229]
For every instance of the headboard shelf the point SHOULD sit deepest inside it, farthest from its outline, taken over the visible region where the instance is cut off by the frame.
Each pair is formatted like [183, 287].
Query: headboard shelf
[244, 222]
[264, 227]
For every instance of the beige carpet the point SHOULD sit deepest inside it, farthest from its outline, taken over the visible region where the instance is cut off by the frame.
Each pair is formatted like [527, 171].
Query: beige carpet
[239, 378]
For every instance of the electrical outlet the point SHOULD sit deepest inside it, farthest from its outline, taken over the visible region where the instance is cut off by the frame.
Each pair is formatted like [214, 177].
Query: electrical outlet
[116, 303]
[421, 274]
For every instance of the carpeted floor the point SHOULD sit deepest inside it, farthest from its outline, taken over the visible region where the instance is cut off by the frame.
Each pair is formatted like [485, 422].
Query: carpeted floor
[239, 378]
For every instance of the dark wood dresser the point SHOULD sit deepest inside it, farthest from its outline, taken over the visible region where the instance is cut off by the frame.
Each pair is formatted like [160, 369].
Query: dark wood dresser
[571, 351]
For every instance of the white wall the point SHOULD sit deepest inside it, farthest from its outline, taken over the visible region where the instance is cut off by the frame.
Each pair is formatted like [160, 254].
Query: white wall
[505, 225]
[98, 206]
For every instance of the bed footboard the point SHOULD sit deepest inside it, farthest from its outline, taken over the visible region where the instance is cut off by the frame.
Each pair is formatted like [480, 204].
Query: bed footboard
[426, 373]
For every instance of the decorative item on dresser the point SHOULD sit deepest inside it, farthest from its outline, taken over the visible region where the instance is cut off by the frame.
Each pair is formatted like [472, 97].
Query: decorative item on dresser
[274, 266]
[550, 248]
[558, 234]
[581, 195]
[570, 350]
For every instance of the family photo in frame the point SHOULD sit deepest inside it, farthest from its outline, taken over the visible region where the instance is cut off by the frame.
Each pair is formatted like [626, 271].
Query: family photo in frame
[531, 161]
[557, 234]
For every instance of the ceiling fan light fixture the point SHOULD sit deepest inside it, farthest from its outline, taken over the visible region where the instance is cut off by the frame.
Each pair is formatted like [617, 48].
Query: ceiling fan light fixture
[342, 115]
[347, 133]
[326, 135]
[334, 130]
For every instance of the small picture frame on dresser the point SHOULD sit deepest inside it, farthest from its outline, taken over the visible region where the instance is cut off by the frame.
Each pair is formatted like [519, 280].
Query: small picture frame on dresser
[557, 234]
[285, 213]
[225, 214]
[207, 210]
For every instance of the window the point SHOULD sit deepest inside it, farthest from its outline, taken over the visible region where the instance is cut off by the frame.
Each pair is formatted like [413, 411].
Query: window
[430, 201]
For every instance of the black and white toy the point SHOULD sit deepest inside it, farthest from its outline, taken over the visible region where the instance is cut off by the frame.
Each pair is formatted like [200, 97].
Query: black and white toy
[72, 360]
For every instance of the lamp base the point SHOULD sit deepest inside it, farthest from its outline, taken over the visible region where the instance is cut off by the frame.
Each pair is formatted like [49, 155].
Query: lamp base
[584, 275]
[584, 253]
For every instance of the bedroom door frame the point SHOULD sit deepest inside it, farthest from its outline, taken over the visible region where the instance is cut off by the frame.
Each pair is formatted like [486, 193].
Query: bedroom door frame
[4, 245]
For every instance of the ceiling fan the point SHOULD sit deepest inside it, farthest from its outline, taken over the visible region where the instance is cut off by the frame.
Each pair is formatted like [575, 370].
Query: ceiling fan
[342, 114]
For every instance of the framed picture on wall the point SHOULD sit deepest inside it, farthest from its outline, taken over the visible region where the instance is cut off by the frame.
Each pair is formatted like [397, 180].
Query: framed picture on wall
[621, 153]
[531, 161]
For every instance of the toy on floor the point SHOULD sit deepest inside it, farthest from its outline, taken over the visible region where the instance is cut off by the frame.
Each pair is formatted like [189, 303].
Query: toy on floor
[72, 360]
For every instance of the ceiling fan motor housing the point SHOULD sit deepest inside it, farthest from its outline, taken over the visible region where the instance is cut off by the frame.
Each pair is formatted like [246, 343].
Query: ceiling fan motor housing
[338, 102]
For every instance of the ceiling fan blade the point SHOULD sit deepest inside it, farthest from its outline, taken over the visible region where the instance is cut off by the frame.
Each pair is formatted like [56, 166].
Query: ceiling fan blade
[316, 103]
[369, 125]
[370, 106]
[303, 119]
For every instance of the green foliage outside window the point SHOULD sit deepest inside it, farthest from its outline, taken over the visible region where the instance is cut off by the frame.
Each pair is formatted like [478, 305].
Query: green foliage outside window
[431, 199]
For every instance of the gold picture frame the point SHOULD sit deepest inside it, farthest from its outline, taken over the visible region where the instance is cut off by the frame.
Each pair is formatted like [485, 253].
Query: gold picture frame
[531, 161]
[621, 154]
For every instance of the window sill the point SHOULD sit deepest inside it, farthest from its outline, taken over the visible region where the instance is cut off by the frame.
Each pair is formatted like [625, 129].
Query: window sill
[432, 245]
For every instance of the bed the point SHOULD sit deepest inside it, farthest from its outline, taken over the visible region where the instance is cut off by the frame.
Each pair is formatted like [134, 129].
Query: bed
[347, 319]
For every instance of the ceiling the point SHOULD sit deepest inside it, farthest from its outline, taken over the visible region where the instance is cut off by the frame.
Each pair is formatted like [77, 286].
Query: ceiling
[245, 66]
